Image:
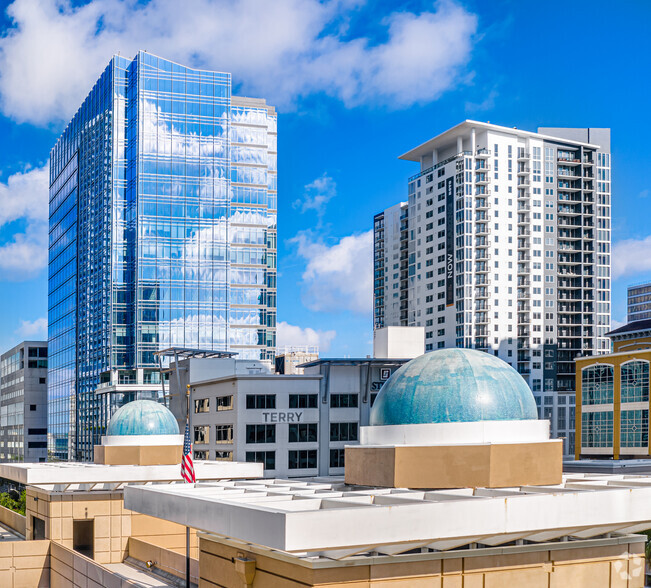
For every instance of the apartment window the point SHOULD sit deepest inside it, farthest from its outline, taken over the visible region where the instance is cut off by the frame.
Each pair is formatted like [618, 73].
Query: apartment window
[337, 458]
[224, 402]
[201, 405]
[224, 434]
[303, 459]
[260, 433]
[344, 400]
[223, 455]
[260, 401]
[303, 400]
[303, 433]
[343, 432]
[37, 445]
[202, 434]
[200, 455]
[268, 458]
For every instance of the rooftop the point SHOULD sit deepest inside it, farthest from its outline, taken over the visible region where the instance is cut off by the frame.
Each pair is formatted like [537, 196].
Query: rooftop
[462, 129]
[632, 327]
[325, 518]
[63, 474]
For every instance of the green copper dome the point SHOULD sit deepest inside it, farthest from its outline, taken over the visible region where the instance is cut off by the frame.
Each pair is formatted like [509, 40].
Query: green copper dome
[453, 386]
[142, 417]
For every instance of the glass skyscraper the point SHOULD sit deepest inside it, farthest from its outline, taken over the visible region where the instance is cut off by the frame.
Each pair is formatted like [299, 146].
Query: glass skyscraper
[162, 233]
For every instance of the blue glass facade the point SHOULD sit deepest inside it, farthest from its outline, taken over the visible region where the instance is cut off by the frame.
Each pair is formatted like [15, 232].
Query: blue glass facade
[162, 233]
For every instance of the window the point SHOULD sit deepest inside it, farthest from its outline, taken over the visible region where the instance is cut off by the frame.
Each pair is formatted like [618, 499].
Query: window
[303, 433]
[337, 458]
[302, 459]
[597, 429]
[37, 445]
[201, 405]
[303, 400]
[597, 385]
[37, 431]
[268, 458]
[635, 381]
[634, 428]
[41, 381]
[32, 407]
[344, 400]
[260, 433]
[343, 432]
[224, 433]
[224, 402]
[202, 434]
[260, 401]
[224, 455]
[200, 455]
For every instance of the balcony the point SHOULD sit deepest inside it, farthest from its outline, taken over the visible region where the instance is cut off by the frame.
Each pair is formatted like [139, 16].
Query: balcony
[482, 153]
[523, 155]
[482, 178]
[565, 160]
[523, 170]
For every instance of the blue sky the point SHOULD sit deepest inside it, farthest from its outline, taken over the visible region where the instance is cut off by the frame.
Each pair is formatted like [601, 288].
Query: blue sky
[356, 84]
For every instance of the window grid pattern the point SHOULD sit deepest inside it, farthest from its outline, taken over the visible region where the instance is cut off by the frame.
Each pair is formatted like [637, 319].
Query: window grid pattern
[635, 381]
[634, 430]
[597, 385]
[597, 429]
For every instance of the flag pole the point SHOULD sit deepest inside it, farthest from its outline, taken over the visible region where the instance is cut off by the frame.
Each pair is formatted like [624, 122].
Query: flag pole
[187, 529]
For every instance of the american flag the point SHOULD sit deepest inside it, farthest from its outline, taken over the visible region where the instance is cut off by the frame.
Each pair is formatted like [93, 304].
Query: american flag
[187, 467]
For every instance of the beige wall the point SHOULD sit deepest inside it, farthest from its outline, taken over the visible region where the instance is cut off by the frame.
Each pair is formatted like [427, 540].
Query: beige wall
[113, 523]
[138, 455]
[169, 561]
[456, 466]
[24, 564]
[12, 519]
[610, 566]
[69, 568]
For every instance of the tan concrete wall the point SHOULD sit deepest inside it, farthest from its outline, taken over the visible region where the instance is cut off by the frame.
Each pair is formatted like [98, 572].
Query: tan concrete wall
[456, 466]
[169, 561]
[612, 566]
[114, 524]
[13, 520]
[138, 455]
[71, 569]
[25, 564]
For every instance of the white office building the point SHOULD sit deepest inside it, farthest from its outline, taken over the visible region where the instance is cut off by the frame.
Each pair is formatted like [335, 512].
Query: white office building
[504, 246]
[296, 425]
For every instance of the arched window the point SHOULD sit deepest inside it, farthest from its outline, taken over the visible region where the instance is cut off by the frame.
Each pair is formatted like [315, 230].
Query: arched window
[635, 381]
[597, 384]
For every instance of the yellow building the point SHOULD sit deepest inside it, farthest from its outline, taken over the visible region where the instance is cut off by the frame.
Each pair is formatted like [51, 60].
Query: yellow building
[612, 397]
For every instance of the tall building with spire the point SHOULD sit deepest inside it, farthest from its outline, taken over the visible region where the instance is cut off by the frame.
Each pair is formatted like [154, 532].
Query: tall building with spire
[163, 202]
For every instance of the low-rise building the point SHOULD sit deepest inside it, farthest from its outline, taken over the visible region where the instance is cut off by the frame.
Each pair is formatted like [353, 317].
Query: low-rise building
[288, 359]
[296, 425]
[455, 483]
[612, 397]
[639, 302]
[23, 402]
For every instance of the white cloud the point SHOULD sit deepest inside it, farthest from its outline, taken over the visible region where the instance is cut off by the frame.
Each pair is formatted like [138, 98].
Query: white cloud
[631, 256]
[293, 336]
[24, 196]
[317, 195]
[338, 277]
[34, 330]
[55, 49]
[615, 324]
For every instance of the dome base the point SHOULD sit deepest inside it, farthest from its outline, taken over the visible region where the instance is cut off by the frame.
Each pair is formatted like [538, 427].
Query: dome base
[482, 465]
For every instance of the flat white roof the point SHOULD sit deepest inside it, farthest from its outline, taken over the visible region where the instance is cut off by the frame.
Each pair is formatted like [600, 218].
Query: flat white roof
[324, 517]
[462, 128]
[64, 473]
